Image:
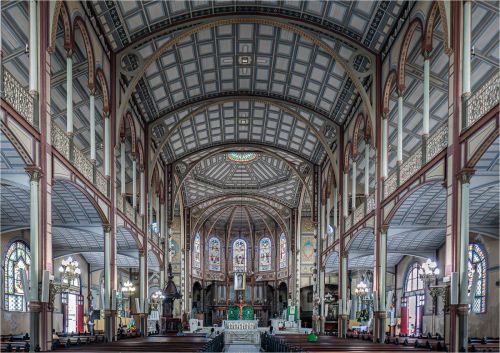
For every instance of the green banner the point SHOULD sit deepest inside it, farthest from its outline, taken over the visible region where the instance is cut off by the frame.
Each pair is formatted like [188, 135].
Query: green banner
[233, 313]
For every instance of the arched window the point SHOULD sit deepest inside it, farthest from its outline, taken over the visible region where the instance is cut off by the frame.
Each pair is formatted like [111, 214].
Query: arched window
[16, 259]
[413, 280]
[283, 251]
[214, 254]
[239, 255]
[265, 254]
[477, 278]
[197, 252]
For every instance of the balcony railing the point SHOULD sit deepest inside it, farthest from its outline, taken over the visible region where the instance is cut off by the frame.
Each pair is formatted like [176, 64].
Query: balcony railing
[62, 143]
[128, 211]
[435, 144]
[17, 96]
[360, 212]
[482, 101]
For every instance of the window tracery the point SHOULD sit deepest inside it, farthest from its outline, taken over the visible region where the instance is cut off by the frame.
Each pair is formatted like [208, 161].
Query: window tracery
[214, 254]
[283, 251]
[16, 259]
[239, 255]
[477, 278]
[265, 254]
[197, 252]
[414, 280]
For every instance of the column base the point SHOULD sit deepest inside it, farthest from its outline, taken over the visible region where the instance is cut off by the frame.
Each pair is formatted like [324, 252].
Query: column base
[110, 325]
[379, 327]
[342, 326]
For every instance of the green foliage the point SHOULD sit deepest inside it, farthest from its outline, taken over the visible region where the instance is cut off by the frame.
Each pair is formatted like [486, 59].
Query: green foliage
[362, 315]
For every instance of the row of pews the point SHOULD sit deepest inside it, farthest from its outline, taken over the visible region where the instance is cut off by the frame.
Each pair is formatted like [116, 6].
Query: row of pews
[169, 343]
[299, 343]
[15, 343]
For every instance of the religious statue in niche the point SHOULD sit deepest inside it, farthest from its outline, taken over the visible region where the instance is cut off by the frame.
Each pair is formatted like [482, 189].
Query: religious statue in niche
[239, 281]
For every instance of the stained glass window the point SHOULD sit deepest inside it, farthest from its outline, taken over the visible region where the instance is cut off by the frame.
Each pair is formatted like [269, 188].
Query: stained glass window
[16, 259]
[413, 280]
[214, 254]
[283, 251]
[265, 254]
[241, 157]
[197, 252]
[477, 278]
[239, 255]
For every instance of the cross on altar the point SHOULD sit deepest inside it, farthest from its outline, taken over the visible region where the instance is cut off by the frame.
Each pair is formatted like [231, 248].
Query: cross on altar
[241, 305]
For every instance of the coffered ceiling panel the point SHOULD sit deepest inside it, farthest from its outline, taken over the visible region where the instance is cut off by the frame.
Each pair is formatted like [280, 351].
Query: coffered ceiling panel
[241, 122]
[365, 22]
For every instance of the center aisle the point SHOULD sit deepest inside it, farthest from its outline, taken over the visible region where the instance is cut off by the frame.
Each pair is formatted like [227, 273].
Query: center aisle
[243, 348]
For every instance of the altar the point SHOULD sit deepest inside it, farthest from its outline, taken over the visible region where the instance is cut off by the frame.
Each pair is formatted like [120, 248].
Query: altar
[241, 332]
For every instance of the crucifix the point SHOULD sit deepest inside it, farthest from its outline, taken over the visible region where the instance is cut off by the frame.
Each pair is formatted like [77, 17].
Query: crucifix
[241, 305]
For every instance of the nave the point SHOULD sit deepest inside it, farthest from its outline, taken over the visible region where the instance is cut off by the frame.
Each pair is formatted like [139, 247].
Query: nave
[258, 175]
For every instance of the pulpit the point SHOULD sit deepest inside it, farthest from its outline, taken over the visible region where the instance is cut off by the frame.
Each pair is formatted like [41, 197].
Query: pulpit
[170, 293]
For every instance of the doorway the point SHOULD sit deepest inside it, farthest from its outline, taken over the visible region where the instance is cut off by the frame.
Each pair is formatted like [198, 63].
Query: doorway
[412, 309]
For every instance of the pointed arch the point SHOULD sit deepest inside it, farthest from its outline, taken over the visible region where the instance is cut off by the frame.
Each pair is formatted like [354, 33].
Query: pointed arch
[405, 46]
[80, 23]
[360, 120]
[265, 254]
[129, 125]
[436, 10]
[347, 154]
[140, 155]
[101, 79]
[17, 144]
[60, 10]
[389, 82]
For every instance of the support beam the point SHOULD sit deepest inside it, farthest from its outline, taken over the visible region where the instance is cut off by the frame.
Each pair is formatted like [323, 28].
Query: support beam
[122, 168]
[69, 92]
[427, 70]
[107, 146]
[134, 184]
[400, 129]
[33, 47]
[463, 257]
[92, 128]
[353, 185]
[142, 192]
[108, 334]
[466, 55]
[367, 170]
[345, 198]
[143, 277]
[384, 156]
[34, 304]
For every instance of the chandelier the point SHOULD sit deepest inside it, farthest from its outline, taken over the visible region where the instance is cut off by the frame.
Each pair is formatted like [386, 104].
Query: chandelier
[128, 287]
[430, 271]
[70, 271]
[361, 289]
[156, 298]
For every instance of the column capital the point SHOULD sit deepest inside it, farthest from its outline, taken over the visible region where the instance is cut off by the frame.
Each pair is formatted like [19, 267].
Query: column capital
[106, 228]
[141, 252]
[34, 172]
[69, 52]
[384, 228]
[465, 175]
[426, 54]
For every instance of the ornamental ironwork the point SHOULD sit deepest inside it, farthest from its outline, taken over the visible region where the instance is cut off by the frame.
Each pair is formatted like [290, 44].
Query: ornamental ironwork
[437, 142]
[101, 183]
[410, 166]
[483, 100]
[17, 96]
[60, 140]
[83, 164]
[390, 184]
[359, 213]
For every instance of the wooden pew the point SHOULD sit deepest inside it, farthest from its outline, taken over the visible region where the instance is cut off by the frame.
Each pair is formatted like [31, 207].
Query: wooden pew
[299, 343]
